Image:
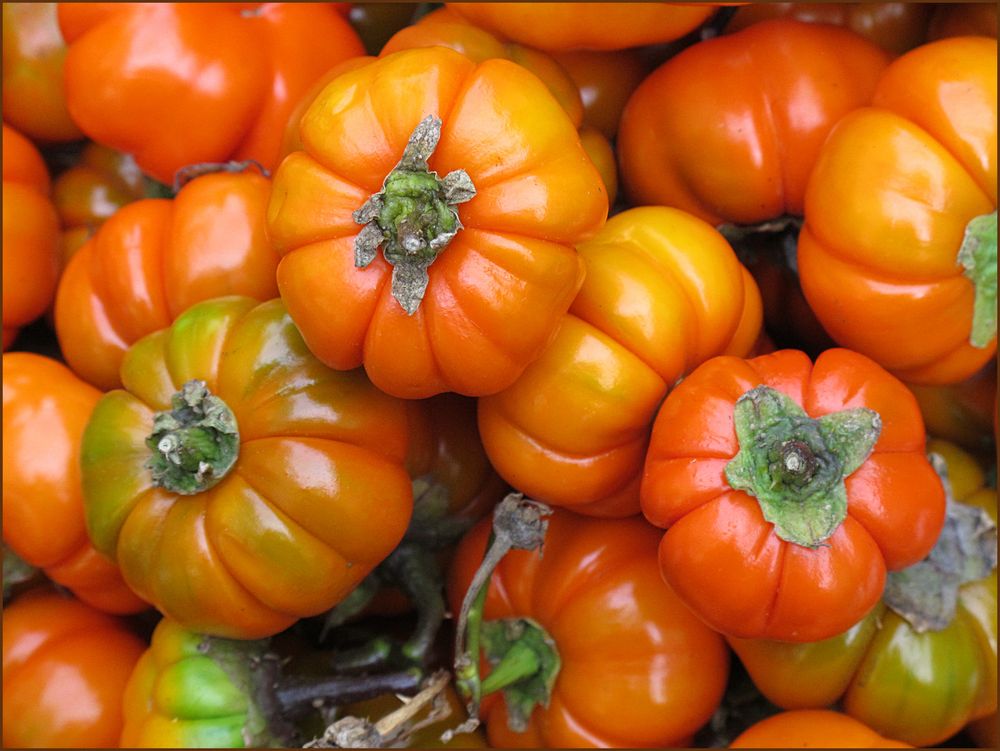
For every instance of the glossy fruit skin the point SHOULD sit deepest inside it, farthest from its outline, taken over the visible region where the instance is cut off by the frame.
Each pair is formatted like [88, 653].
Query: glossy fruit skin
[155, 258]
[602, 154]
[291, 141]
[318, 495]
[787, 315]
[89, 192]
[812, 728]
[454, 484]
[181, 83]
[877, 262]
[729, 128]
[895, 27]
[497, 290]
[605, 80]
[586, 26]
[45, 409]
[65, 666]
[179, 697]
[446, 28]
[34, 99]
[772, 588]
[638, 668]
[663, 293]
[446, 452]
[30, 235]
[918, 688]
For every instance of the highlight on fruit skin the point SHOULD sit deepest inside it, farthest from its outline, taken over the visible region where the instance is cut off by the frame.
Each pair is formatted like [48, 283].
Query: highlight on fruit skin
[812, 728]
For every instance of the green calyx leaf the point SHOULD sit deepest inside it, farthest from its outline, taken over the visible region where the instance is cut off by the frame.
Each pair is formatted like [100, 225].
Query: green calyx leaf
[795, 465]
[525, 666]
[926, 594]
[195, 443]
[413, 217]
[978, 257]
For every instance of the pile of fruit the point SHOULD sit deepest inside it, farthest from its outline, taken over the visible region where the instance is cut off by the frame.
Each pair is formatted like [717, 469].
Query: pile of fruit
[507, 374]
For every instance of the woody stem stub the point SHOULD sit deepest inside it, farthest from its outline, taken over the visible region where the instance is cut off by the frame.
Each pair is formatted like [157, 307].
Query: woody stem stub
[193, 444]
[795, 465]
[413, 217]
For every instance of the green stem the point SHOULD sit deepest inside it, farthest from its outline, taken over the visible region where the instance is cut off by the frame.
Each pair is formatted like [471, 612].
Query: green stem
[419, 575]
[519, 663]
[433, 526]
[525, 664]
[469, 628]
[517, 523]
[375, 653]
[416, 571]
[353, 605]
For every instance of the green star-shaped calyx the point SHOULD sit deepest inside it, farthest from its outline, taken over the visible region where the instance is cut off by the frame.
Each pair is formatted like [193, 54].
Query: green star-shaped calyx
[795, 465]
[413, 217]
